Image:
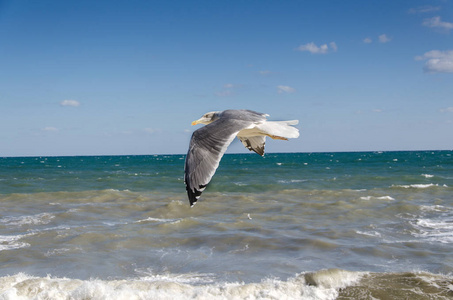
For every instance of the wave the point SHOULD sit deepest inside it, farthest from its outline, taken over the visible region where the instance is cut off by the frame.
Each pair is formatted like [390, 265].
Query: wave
[434, 224]
[10, 242]
[324, 284]
[42, 218]
[419, 185]
[427, 175]
[434, 230]
[378, 198]
[159, 220]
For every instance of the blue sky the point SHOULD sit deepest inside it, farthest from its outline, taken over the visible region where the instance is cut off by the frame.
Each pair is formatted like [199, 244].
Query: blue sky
[128, 77]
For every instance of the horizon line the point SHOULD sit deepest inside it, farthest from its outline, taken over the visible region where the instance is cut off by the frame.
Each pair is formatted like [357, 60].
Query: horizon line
[235, 153]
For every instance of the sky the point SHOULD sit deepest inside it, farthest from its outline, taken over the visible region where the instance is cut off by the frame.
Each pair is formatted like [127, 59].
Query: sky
[129, 77]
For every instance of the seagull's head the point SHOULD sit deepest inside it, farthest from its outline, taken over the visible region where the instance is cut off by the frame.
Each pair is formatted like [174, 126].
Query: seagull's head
[207, 118]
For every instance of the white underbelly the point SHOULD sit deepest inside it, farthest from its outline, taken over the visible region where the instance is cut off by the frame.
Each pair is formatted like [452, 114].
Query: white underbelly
[250, 132]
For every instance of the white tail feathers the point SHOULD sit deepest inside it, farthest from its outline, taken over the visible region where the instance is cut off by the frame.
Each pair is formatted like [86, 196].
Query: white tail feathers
[280, 129]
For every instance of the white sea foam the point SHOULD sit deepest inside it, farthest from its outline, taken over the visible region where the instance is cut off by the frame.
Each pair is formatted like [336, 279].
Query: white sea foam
[385, 198]
[158, 220]
[427, 175]
[434, 230]
[435, 224]
[293, 181]
[115, 223]
[433, 208]
[324, 285]
[419, 186]
[378, 198]
[8, 242]
[369, 233]
[38, 219]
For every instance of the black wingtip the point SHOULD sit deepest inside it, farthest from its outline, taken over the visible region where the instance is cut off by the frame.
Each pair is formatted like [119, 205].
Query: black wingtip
[193, 196]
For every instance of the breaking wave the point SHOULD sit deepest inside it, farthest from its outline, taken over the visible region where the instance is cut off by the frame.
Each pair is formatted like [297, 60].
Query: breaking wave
[325, 284]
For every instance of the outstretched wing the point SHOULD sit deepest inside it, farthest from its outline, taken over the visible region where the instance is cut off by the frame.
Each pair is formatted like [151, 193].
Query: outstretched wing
[254, 143]
[207, 146]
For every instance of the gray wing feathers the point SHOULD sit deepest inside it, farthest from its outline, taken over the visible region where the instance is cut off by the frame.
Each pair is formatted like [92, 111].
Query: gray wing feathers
[249, 116]
[254, 143]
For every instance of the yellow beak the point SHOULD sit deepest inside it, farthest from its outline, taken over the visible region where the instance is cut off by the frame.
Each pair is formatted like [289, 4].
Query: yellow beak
[196, 122]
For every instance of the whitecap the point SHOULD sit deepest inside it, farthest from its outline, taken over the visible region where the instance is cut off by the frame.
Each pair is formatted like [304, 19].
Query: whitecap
[159, 220]
[115, 223]
[418, 186]
[437, 208]
[435, 224]
[434, 230]
[324, 284]
[11, 242]
[427, 175]
[292, 181]
[298, 180]
[38, 219]
[385, 198]
[369, 233]
[185, 278]
[378, 198]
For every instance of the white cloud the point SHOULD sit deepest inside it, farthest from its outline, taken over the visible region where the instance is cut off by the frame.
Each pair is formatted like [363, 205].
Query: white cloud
[436, 22]
[228, 86]
[424, 9]
[285, 89]
[73, 103]
[50, 129]
[367, 40]
[377, 110]
[447, 109]
[437, 61]
[383, 38]
[333, 45]
[323, 49]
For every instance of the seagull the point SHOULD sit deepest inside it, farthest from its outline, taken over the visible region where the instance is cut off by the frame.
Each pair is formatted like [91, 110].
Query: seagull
[209, 143]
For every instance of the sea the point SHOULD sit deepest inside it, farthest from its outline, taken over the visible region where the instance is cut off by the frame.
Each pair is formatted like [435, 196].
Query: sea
[358, 225]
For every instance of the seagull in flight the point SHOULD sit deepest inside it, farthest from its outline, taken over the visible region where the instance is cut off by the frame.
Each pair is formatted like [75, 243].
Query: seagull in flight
[209, 143]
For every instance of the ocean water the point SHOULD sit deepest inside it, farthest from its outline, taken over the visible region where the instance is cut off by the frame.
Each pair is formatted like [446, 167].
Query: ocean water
[363, 225]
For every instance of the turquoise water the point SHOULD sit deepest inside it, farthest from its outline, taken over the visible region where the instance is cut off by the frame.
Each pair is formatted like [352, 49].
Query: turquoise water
[295, 226]
[357, 170]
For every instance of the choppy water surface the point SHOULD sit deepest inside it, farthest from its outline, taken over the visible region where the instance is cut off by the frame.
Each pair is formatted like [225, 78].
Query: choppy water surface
[296, 226]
